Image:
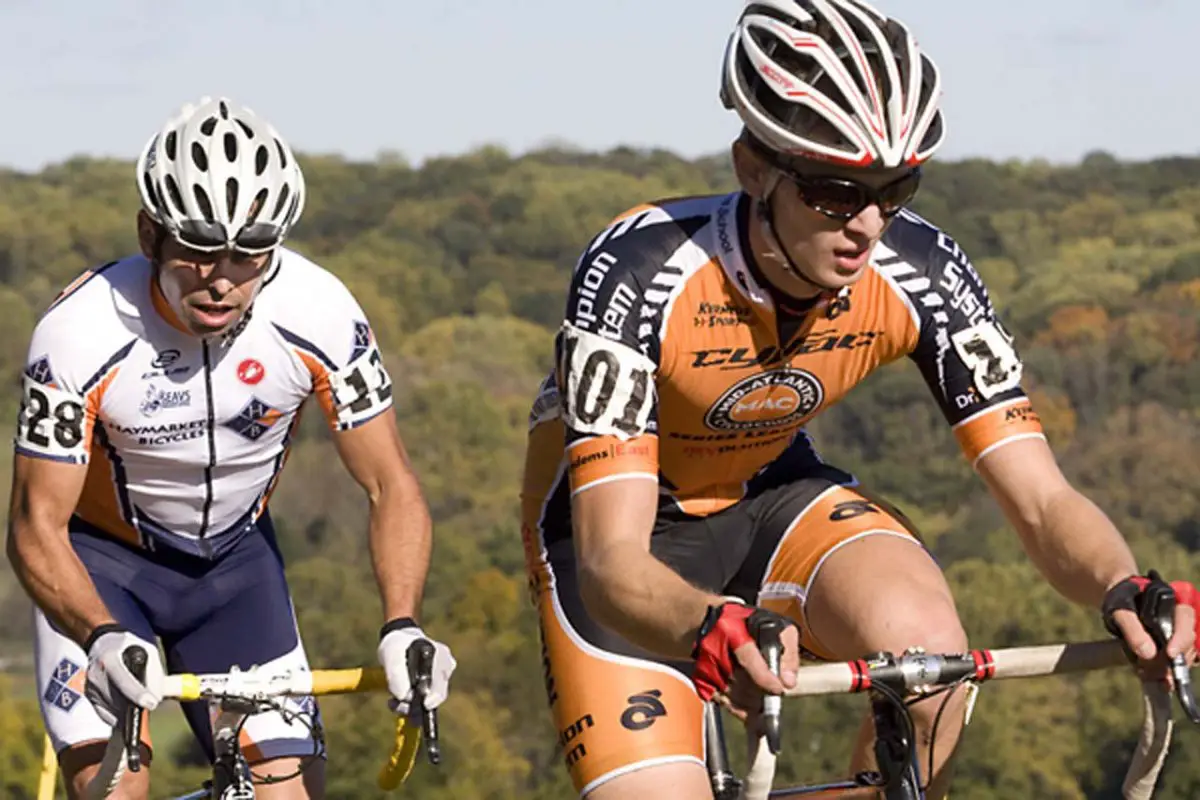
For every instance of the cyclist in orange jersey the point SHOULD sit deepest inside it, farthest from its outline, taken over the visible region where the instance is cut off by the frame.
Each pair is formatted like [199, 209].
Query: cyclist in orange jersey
[671, 496]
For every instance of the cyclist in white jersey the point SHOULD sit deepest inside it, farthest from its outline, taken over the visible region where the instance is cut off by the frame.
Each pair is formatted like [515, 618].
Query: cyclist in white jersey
[160, 398]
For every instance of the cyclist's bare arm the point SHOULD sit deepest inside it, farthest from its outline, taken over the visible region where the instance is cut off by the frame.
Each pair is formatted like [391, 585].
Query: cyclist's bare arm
[1072, 542]
[624, 586]
[399, 528]
[44, 495]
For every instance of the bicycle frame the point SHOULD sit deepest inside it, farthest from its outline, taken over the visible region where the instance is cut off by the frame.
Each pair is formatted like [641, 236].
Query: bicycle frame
[916, 674]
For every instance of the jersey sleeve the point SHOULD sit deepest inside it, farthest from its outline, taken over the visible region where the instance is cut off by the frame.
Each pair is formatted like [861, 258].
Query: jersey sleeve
[606, 356]
[335, 342]
[62, 388]
[968, 358]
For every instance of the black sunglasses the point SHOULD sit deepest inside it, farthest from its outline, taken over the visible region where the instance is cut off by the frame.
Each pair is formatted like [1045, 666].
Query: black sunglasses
[210, 237]
[842, 199]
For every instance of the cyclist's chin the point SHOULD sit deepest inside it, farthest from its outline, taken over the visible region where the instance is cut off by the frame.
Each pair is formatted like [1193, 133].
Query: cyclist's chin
[835, 274]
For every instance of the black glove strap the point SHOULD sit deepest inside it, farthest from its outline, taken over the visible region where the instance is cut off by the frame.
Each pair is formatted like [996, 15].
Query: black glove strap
[398, 624]
[100, 630]
[1143, 600]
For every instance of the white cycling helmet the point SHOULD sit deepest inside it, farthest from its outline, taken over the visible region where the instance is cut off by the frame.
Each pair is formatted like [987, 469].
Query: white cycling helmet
[218, 176]
[833, 80]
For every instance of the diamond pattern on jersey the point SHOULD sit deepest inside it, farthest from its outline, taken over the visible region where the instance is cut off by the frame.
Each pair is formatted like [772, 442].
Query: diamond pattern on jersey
[256, 418]
[362, 339]
[65, 687]
[40, 371]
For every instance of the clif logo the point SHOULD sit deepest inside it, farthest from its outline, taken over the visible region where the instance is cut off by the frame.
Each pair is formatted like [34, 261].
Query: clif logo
[250, 371]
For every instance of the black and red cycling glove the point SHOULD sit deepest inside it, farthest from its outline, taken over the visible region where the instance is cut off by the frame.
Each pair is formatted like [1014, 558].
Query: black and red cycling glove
[1137, 591]
[725, 628]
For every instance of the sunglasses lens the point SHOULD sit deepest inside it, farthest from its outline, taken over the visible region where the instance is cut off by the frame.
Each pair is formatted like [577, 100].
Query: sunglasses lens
[201, 235]
[258, 238]
[833, 197]
[898, 194]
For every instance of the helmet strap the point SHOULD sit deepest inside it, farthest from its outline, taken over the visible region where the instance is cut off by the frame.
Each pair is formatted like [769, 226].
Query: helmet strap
[766, 218]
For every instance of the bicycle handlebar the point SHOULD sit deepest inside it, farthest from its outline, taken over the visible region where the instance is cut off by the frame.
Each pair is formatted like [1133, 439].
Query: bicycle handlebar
[920, 672]
[258, 687]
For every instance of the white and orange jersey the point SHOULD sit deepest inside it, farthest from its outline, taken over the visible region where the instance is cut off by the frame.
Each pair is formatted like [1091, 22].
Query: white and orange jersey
[184, 437]
[674, 363]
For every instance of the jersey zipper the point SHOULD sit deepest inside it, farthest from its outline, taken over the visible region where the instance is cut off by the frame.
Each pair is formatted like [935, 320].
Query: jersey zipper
[212, 448]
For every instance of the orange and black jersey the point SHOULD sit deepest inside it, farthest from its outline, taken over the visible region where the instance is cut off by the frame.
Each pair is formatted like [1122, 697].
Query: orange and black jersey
[675, 364]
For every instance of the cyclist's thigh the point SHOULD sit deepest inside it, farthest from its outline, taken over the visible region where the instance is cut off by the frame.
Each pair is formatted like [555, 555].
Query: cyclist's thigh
[844, 564]
[77, 734]
[620, 712]
[248, 620]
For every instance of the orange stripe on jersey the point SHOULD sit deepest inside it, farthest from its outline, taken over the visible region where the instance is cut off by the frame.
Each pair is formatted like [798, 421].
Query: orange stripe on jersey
[70, 289]
[624, 215]
[321, 387]
[164, 308]
[601, 458]
[989, 429]
[287, 453]
[543, 462]
[92, 406]
[98, 502]
[714, 499]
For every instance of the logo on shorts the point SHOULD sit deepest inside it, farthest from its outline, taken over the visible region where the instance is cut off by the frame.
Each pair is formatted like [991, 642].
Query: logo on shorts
[65, 687]
[643, 710]
[250, 371]
[768, 400]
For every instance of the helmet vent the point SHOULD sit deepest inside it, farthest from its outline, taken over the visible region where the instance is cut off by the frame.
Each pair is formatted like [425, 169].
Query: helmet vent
[279, 205]
[205, 204]
[199, 157]
[175, 195]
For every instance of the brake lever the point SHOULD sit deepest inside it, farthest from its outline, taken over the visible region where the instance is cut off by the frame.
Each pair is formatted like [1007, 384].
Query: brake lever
[767, 632]
[419, 658]
[135, 658]
[1157, 615]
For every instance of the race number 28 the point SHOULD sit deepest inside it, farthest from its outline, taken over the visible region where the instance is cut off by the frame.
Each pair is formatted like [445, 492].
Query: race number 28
[52, 420]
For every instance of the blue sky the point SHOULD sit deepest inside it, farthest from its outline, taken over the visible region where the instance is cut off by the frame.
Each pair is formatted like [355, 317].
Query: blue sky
[1051, 79]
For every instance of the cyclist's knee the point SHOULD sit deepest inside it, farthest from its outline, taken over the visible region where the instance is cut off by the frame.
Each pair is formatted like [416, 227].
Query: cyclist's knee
[676, 781]
[882, 592]
[80, 763]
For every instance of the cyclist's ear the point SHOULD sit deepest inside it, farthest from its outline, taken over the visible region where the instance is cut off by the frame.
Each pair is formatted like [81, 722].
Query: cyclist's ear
[752, 171]
[150, 236]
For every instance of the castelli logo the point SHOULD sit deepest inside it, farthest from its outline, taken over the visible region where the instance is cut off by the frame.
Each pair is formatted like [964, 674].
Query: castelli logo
[250, 371]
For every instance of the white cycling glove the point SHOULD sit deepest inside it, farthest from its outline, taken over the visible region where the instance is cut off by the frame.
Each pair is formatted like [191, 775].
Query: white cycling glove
[110, 685]
[397, 636]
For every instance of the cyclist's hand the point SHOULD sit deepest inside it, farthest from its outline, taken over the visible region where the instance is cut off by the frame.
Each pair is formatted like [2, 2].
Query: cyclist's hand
[397, 635]
[1124, 602]
[110, 685]
[725, 642]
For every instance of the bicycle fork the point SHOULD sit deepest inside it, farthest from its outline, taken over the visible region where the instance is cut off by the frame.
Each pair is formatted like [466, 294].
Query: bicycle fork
[895, 756]
[724, 785]
[231, 775]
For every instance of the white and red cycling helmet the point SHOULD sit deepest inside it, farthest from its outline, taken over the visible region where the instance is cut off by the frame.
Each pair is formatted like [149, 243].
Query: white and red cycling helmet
[833, 80]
